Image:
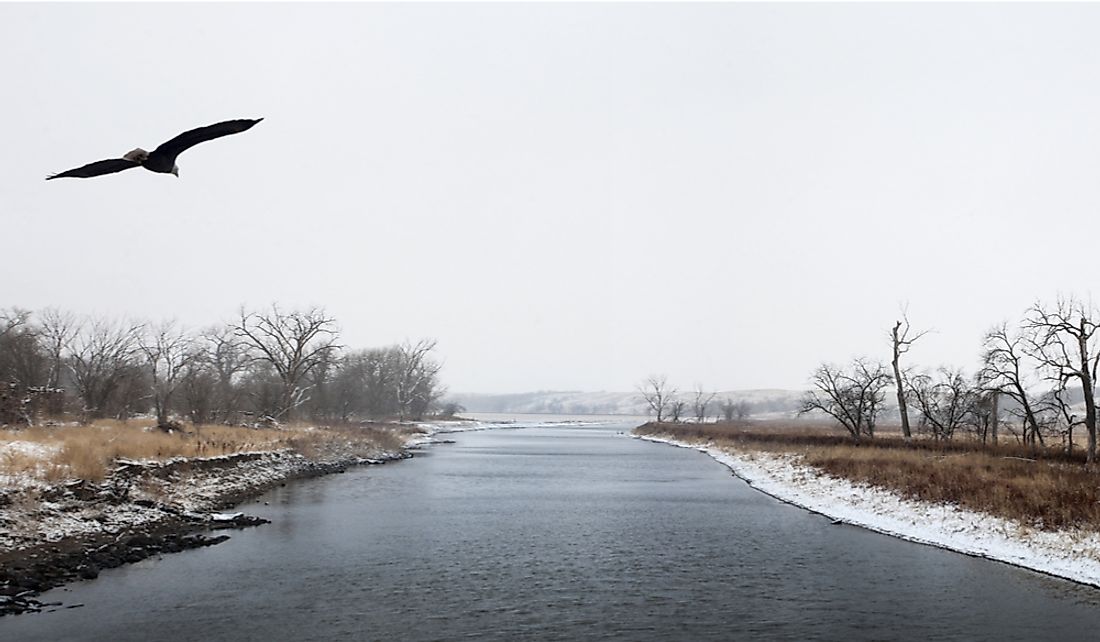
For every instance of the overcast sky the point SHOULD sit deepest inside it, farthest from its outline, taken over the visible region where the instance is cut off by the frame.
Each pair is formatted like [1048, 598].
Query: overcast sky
[566, 196]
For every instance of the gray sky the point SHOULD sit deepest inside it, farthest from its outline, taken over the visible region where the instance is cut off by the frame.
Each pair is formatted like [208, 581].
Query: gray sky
[566, 196]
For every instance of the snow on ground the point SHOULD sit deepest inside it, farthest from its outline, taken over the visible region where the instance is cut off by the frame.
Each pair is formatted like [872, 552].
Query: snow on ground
[1073, 555]
[138, 493]
[29, 451]
[65, 510]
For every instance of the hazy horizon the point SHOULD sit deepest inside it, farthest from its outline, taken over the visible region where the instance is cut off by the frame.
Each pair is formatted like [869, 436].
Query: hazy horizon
[566, 196]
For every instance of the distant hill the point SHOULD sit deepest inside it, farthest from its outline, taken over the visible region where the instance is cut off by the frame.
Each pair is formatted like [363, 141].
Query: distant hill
[773, 403]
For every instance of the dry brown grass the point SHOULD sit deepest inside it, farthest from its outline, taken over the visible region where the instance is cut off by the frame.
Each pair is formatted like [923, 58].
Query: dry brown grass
[1043, 488]
[88, 452]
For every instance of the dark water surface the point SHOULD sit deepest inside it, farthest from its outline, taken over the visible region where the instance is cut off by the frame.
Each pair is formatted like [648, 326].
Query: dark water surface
[557, 533]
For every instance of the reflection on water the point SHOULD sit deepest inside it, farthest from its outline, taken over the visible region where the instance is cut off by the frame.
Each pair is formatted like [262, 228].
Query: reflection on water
[558, 533]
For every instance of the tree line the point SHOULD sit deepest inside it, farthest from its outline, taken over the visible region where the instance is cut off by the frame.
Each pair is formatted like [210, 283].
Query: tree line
[1035, 382]
[267, 366]
[666, 403]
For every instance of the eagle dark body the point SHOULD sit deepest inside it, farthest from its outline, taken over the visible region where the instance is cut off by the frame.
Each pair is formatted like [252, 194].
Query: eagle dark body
[162, 159]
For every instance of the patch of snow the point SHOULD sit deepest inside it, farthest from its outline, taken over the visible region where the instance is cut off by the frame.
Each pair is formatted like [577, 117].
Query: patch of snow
[29, 449]
[43, 454]
[1070, 554]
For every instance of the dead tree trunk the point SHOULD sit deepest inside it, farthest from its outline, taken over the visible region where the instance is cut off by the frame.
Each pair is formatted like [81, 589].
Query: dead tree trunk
[1087, 375]
[901, 343]
[994, 415]
[902, 409]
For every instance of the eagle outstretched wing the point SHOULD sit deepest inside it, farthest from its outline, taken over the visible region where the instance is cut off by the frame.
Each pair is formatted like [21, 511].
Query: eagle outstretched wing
[189, 139]
[109, 166]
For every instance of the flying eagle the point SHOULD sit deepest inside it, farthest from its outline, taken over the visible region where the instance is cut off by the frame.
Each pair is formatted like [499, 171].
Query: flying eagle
[163, 158]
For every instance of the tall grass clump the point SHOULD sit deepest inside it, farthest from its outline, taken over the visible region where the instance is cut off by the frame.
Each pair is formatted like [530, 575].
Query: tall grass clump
[90, 452]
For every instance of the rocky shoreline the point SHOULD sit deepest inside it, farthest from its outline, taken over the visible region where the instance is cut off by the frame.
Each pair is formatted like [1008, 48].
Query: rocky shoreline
[142, 509]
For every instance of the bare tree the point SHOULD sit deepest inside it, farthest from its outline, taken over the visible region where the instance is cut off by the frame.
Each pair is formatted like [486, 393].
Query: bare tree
[101, 357]
[168, 351]
[1061, 338]
[1005, 370]
[701, 403]
[228, 358]
[676, 409]
[1062, 408]
[58, 329]
[728, 409]
[946, 402]
[417, 382]
[902, 341]
[983, 419]
[853, 397]
[22, 361]
[293, 344]
[658, 395]
[22, 367]
[742, 410]
[731, 410]
[366, 383]
[12, 319]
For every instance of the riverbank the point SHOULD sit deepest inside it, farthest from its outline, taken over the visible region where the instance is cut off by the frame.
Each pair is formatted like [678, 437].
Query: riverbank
[1072, 553]
[56, 527]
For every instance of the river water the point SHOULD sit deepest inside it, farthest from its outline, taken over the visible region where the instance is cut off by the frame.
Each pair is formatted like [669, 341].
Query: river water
[557, 533]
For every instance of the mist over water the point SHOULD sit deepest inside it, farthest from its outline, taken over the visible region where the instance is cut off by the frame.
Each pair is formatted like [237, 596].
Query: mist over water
[562, 532]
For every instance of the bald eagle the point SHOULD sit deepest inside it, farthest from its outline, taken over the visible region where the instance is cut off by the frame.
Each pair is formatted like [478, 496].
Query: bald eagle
[163, 158]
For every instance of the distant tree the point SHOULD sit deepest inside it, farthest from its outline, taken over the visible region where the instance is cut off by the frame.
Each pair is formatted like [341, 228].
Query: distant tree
[701, 402]
[676, 409]
[1062, 409]
[321, 405]
[102, 359]
[735, 410]
[946, 401]
[12, 319]
[293, 344]
[168, 352]
[417, 382]
[22, 367]
[1062, 339]
[902, 341]
[728, 408]
[742, 410]
[353, 386]
[658, 395]
[1006, 367]
[22, 359]
[381, 369]
[854, 397]
[984, 419]
[58, 329]
[198, 388]
[227, 358]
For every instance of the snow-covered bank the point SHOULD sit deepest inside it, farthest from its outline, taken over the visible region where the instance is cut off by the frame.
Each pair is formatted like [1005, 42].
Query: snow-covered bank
[1073, 555]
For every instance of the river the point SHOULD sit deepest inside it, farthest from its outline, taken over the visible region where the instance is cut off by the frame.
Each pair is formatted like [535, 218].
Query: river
[557, 533]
